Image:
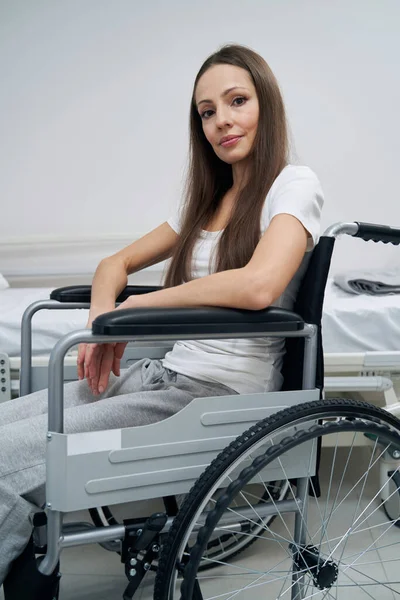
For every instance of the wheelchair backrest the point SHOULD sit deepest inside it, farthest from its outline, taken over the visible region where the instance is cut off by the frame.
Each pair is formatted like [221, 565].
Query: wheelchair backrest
[309, 305]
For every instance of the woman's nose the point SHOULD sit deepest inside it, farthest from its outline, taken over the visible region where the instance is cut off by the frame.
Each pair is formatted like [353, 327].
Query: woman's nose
[223, 118]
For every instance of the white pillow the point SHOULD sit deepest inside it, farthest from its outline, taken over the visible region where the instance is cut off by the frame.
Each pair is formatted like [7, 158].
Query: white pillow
[3, 283]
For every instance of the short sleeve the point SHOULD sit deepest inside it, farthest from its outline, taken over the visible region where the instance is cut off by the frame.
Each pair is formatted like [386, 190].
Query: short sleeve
[296, 191]
[175, 220]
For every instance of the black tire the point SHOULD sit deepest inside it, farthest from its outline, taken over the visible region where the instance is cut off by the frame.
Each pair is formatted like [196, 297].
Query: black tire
[174, 544]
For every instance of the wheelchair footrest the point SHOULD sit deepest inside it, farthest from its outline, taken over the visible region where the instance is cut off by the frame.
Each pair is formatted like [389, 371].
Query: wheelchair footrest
[139, 548]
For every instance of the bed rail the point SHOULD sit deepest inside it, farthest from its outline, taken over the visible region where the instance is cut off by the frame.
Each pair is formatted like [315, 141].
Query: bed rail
[5, 378]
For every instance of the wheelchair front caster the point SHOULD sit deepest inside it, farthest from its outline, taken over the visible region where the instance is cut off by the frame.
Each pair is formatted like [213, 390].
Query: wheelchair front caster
[391, 505]
[26, 582]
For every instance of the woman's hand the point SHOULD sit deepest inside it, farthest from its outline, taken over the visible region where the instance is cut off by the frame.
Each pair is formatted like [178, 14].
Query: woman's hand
[96, 361]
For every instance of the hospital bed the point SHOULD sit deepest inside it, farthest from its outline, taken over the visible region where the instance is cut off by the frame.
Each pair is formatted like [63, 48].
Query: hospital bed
[361, 343]
[273, 469]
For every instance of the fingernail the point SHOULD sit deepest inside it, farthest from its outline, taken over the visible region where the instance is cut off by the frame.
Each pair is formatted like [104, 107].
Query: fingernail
[101, 389]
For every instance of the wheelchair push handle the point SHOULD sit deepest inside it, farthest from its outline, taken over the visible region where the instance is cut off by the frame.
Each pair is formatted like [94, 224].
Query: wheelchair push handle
[378, 233]
[83, 293]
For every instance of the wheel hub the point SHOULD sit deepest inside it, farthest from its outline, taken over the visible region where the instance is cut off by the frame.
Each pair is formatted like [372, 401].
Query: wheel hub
[323, 572]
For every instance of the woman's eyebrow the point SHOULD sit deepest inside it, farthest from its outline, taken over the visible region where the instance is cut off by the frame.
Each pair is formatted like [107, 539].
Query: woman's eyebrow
[225, 93]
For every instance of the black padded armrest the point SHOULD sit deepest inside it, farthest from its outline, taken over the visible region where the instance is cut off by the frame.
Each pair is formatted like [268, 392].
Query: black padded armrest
[378, 233]
[83, 293]
[178, 321]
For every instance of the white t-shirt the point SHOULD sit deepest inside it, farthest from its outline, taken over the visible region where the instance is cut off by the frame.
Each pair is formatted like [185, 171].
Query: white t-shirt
[250, 365]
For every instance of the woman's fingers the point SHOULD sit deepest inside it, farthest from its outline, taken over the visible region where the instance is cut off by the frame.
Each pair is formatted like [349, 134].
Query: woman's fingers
[88, 359]
[116, 366]
[120, 349]
[81, 360]
[95, 365]
[118, 354]
[105, 368]
[96, 361]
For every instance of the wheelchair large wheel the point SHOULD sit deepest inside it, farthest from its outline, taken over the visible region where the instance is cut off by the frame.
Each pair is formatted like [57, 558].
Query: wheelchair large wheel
[339, 545]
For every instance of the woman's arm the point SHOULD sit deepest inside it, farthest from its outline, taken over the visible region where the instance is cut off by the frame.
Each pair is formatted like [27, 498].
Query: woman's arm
[111, 276]
[275, 260]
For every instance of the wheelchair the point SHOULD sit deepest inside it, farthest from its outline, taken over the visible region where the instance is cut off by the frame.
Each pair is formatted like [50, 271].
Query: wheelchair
[265, 511]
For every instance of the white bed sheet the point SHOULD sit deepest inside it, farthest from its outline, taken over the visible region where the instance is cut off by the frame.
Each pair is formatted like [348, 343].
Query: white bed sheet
[360, 323]
[47, 325]
[350, 323]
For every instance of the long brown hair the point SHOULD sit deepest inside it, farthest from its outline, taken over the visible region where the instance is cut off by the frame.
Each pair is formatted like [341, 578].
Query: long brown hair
[209, 178]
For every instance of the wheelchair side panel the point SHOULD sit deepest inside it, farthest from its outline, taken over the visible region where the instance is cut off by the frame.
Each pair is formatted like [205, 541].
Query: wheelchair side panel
[137, 463]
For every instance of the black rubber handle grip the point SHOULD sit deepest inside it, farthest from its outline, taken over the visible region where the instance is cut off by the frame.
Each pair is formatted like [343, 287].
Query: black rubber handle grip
[83, 293]
[378, 233]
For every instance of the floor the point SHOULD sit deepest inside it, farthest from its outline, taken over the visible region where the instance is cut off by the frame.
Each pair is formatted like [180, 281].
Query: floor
[92, 573]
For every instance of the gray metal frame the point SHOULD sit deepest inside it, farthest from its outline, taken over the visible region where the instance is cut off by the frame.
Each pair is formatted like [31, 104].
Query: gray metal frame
[78, 478]
[26, 337]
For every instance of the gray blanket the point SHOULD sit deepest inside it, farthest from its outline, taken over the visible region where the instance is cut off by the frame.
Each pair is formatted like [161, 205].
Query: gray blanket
[373, 283]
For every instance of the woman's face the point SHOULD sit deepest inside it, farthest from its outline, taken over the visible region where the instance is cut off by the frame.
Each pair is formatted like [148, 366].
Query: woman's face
[227, 103]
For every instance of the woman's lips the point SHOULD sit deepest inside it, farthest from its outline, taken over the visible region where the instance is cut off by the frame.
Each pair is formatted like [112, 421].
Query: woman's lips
[231, 142]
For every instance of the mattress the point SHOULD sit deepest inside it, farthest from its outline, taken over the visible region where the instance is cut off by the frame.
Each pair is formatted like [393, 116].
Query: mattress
[350, 323]
[47, 325]
[360, 323]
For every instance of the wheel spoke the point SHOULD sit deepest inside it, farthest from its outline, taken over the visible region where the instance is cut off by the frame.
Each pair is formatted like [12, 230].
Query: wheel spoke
[324, 522]
[245, 518]
[359, 586]
[346, 496]
[375, 581]
[376, 508]
[358, 504]
[370, 546]
[341, 480]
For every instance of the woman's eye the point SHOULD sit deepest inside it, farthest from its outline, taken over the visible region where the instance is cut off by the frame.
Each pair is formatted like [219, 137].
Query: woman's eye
[239, 101]
[205, 114]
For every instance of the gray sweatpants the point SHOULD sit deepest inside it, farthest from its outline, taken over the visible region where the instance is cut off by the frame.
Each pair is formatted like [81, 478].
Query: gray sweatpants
[143, 394]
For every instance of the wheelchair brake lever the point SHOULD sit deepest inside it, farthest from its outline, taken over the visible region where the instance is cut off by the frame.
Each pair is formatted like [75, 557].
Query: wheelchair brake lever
[140, 540]
[152, 527]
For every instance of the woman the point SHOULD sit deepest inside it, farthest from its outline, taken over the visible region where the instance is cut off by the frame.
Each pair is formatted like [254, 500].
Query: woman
[241, 240]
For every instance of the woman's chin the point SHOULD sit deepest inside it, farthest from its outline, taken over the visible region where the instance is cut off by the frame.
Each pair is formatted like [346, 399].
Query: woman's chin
[233, 157]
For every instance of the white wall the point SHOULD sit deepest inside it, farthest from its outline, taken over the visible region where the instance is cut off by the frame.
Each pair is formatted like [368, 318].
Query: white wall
[95, 98]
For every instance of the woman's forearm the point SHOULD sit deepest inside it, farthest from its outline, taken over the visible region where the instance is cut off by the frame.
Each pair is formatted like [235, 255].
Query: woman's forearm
[235, 288]
[109, 280]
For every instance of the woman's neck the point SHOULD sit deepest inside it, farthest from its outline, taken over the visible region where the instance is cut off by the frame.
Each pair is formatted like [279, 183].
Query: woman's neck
[239, 176]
